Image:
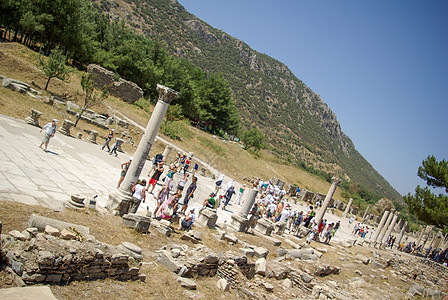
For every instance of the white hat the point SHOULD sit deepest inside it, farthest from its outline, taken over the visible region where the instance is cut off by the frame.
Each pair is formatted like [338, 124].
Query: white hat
[130, 158]
[112, 129]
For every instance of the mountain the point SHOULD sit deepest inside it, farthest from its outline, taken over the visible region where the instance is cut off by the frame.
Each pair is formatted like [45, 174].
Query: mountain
[298, 124]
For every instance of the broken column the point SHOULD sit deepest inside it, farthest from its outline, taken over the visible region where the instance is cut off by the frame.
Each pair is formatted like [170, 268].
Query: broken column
[92, 136]
[65, 128]
[33, 119]
[321, 213]
[166, 153]
[122, 198]
[365, 213]
[239, 220]
[380, 226]
[347, 209]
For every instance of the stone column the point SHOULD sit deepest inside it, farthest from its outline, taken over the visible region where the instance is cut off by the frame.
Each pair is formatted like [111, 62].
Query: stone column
[428, 230]
[400, 237]
[347, 209]
[391, 226]
[365, 213]
[33, 119]
[122, 198]
[422, 231]
[92, 136]
[386, 226]
[380, 226]
[321, 213]
[239, 220]
[166, 153]
[65, 129]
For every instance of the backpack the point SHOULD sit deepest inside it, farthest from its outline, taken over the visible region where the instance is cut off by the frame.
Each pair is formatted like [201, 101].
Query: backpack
[219, 182]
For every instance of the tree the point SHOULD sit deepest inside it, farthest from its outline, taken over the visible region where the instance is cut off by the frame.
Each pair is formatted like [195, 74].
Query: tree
[91, 97]
[54, 66]
[253, 138]
[429, 207]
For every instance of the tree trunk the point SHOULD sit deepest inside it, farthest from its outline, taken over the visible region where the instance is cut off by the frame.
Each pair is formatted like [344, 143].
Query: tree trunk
[79, 116]
[48, 81]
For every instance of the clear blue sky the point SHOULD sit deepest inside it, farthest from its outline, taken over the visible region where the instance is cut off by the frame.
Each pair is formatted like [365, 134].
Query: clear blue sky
[381, 66]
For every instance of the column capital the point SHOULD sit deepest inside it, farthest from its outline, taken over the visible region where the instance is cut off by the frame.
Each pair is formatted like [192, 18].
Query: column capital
[335, 180]
[166, 94]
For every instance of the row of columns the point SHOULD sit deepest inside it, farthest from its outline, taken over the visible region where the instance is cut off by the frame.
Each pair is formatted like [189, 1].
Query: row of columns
[385, 227]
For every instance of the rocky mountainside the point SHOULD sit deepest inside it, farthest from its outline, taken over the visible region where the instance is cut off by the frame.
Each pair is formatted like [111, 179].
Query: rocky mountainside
[298, 124]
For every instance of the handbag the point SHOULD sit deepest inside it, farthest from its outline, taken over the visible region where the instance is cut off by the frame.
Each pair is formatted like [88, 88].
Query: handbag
[168, 211]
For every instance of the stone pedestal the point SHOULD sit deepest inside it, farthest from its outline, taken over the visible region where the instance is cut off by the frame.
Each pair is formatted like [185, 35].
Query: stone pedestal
[265, 226]
[139, 222]
[280, 227]
[207, 217]
[239, 223]
[76, 202]
[92, 136]
[33, 119]
[65, 128]
[122, 197]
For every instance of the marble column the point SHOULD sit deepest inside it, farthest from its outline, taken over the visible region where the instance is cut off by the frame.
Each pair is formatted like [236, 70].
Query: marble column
[380, 226]
[166, 153]
[347, 208]
[365, 213]
[239, 220]
[321, 213]
[391, 226]
[386, 226]
[422, 231]
[33, 119]
[428, 230]
[122, 198]
[400, 237]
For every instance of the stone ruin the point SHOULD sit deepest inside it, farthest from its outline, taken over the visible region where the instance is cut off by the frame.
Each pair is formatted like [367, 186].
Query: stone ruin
[123, 89]
[61, 256]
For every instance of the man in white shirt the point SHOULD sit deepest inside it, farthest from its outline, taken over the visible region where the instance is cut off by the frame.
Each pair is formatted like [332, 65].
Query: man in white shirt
[50, 130]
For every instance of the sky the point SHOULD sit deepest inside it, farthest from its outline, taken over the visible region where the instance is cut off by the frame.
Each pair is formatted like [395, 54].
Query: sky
[381, 66]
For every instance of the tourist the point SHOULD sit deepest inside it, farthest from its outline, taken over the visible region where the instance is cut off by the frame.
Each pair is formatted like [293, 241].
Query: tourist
[189, 194]
[157, 171]
[309, 217]
[124, 169]
[187, 164]
[228, 195]
[181, 184]
[114, 149]
[351, 220]
[186, 222]
[270, 210]
[170, 175]
[50, 130]
[254, 216]
[162, 195]
[240, 194]
[182, 161]
[109, 137]
[336, 227]
[139, 195]
[218, 184]
[312, 234]
[210, 202]
[297, 221]
[169, 206]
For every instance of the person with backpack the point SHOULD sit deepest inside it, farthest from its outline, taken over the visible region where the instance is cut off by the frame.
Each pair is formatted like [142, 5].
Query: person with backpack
[109, 138]
[228, 196]
[155, 176]
[218, 184]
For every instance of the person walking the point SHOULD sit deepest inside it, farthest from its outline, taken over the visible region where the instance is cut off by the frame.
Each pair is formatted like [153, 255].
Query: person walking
[124, 169]
[114, 149]
[189, 194]
[228, 196]
[240, 194]
[109, 137]
[139, 195]
[50, 130]
[155, 176]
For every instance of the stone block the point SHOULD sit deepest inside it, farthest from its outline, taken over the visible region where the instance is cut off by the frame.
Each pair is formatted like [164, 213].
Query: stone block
[207, 217]
[165, 258]
[223, 285]
[265, 226]
[261, 252]
[139, 222]
[260, 266]
[50, 230]
[17, 235]
[187, 283]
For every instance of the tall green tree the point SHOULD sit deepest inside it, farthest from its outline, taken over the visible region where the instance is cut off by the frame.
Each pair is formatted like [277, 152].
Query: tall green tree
[430, 207]
[54, 66]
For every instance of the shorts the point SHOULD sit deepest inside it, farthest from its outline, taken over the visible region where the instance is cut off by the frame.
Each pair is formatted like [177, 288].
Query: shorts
[152, 182]
[123, 173]
[186, 224]
[46, 138]
[186, 200]
[180, 187]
